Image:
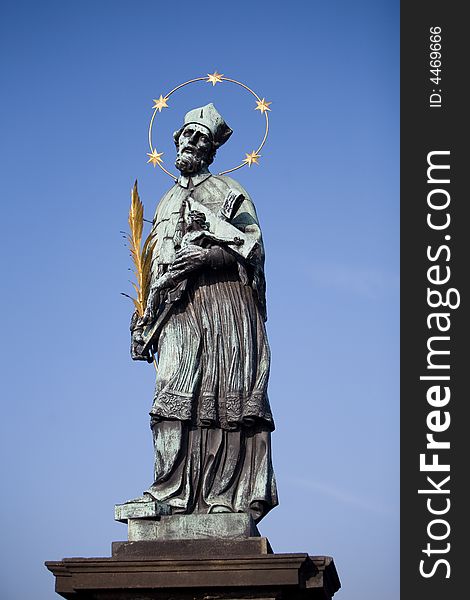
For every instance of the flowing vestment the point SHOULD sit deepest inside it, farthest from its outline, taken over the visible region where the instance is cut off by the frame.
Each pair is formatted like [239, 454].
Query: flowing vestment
[211, 417]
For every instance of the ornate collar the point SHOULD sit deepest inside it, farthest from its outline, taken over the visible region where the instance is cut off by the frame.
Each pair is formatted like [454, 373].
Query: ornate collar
[198, 178]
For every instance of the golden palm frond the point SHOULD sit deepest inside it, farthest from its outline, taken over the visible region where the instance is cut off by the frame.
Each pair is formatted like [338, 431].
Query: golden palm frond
[141, 257]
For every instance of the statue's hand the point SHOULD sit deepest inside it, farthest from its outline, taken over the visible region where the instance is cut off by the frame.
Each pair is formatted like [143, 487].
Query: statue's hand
[189, 259]
[137, 342]
[134, 321]
[153, 302]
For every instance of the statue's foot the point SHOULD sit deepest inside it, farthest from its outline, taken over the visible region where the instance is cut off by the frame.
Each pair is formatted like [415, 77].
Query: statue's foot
[219, 508]
[143, 507]
[146, 497]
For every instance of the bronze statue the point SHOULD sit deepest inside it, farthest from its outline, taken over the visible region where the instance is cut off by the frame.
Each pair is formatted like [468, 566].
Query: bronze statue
[205, 320]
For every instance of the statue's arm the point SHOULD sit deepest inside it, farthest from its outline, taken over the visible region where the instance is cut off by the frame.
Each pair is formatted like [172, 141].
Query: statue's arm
[246, 219]
[193, 258]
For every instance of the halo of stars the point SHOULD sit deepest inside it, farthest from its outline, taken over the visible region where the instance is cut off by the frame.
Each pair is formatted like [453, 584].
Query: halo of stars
[214, 78]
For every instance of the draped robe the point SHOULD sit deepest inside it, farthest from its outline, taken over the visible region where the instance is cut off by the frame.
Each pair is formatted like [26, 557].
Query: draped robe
[211, 418]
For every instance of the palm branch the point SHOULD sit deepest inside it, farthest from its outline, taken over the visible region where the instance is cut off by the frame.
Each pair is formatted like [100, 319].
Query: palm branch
[141, 256]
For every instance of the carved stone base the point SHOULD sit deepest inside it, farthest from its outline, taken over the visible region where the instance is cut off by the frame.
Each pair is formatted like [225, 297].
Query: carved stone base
[191, 548]
[196, 570]
[190, 527]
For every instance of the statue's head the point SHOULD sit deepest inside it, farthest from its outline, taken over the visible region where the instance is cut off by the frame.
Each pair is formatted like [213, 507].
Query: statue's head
[203, 132]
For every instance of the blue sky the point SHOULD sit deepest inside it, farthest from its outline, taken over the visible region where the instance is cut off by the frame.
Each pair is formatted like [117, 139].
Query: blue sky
[78, 81]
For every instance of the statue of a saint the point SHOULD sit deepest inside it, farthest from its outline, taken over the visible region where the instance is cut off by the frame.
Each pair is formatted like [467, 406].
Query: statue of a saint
[205, 320]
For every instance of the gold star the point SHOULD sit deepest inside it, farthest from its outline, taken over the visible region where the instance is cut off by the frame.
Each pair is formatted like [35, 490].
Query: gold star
[252, 158]
[214, 78]
[262, 105]
[160, 103]
[155, 157]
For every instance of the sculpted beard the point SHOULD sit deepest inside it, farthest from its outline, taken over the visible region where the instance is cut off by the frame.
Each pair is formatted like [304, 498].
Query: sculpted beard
[191, 160]
[188, 162]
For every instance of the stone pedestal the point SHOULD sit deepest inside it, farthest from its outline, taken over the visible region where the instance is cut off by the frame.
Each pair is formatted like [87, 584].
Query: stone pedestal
[234, 526]
[217, 556]
[198, 569]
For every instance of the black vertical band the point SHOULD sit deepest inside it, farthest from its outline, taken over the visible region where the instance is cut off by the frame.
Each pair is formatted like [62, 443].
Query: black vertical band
[435, 248]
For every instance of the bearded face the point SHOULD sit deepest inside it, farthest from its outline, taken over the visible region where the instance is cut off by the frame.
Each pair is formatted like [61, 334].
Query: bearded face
[194, 149]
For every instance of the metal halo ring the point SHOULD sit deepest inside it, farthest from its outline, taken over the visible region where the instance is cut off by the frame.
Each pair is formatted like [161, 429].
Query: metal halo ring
[214, 78]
